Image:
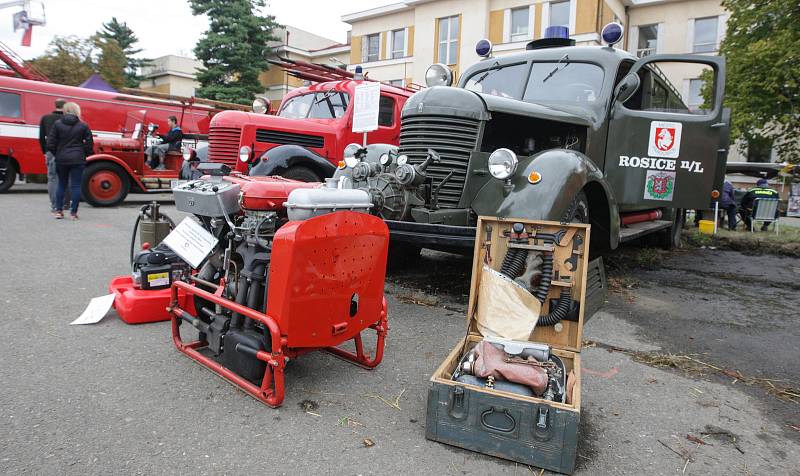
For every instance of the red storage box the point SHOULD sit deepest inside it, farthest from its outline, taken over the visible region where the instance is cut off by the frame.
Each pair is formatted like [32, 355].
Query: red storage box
[137, 306]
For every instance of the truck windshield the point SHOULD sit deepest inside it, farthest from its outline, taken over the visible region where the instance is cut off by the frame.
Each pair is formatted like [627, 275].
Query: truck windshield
[564, 83]
[321, 105]
[504, 82]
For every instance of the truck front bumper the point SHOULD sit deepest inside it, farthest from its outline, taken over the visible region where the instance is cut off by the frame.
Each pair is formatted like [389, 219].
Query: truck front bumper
[429, 235]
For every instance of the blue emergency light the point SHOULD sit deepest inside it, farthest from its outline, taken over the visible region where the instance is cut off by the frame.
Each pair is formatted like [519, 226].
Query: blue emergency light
[359, 74]
[612, 33]
[483, 48]
[557, 31]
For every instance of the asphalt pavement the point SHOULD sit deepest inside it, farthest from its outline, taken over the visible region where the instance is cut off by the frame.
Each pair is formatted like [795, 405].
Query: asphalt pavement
[117, 399]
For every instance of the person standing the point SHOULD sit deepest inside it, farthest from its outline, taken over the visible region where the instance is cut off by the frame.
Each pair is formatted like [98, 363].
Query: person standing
[727, 203]
[749, 204]
[70, 141]
[45, 125]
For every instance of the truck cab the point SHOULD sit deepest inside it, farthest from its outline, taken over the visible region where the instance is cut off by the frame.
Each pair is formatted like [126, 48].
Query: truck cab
[558, 132]
[306, 137]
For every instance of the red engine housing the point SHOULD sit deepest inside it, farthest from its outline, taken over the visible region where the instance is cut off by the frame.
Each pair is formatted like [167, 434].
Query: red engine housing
[266, 193]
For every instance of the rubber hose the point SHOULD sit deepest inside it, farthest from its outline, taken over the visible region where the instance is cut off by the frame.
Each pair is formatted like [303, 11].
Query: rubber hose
[560, 312]
[133, 236]
[254, 295]
[514, 263]
[547, 275]
[241, 298]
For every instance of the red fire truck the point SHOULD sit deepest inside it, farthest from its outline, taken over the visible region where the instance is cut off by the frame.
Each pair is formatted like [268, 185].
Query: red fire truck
[23, 102]
[306, 137]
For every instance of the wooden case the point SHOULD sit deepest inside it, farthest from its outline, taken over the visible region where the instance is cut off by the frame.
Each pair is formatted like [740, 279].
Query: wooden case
[525, 429]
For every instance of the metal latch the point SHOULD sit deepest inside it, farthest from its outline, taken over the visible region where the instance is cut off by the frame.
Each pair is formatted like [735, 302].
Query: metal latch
[457, 407]
[541, 420]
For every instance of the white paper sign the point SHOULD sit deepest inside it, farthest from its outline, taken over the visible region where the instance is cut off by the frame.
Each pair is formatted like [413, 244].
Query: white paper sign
[96, 310]
[366, 106]
[191, 242]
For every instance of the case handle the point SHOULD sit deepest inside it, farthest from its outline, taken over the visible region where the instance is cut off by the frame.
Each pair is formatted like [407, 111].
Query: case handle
[512, 423]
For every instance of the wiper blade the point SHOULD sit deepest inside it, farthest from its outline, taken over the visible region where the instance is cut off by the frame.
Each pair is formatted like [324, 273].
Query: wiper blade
[494, 67]
[325, 96]
[557, 68]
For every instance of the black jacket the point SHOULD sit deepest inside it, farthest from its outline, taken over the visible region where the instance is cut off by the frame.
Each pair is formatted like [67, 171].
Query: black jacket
[45, 124]
[70, 140]
[173, 138]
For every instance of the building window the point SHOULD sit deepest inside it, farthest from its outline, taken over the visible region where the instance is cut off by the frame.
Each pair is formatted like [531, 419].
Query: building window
[705, 35]
[448, 40]
[397, 82]
[648, 40]
[399, 43]
[386, 111]
[520, 24]
[695, 100]
[10, 105]
[559, 13]
[371, 48]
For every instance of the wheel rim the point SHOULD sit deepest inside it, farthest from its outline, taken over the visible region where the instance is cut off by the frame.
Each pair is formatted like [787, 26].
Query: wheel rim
[105, 185]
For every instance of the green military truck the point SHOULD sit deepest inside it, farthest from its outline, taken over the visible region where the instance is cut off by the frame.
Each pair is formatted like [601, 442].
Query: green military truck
[558, 132]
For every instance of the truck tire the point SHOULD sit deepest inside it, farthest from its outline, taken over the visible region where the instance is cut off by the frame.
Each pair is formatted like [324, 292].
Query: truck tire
[301, 173]
[105, 184]
[8, 173]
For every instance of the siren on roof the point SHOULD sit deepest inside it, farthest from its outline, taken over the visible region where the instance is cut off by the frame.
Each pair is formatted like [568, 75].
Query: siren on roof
[554, 36]
[359, 76]
[612, 33]
[484, 48]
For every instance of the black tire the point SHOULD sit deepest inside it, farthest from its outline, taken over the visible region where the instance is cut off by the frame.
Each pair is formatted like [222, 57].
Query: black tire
[301, 173]
[578, 211]
[671, 237]
[402, 255]
[105, 184]
[8, 173]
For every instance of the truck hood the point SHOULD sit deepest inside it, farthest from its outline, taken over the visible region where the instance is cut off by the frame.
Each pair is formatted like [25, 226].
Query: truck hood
[461, 102]
[263, 121]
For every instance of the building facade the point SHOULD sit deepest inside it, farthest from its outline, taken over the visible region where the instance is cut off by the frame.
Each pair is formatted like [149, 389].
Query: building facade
[171, 74]
[398, 42]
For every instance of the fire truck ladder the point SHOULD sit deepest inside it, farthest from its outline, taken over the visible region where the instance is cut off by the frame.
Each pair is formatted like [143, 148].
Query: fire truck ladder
[16, 65]
[319, 73]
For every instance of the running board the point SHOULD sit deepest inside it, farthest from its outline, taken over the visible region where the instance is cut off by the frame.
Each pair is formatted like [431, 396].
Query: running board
[637, 230]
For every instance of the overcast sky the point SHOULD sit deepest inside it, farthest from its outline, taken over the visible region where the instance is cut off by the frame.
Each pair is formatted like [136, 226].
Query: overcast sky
[167, 26]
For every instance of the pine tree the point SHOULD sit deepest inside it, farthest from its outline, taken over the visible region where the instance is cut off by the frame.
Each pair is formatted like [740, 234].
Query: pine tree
[126, 39]
[111, 62]
[234, 50]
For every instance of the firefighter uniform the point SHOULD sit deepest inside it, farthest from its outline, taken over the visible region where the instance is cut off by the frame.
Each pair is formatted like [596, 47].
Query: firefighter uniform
[749, 201]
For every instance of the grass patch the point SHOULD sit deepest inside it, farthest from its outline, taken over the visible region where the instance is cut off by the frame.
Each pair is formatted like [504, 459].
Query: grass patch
[787, 243]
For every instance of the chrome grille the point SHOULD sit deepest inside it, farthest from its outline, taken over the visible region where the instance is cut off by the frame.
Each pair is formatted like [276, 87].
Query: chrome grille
[453, 138]
[223, 145]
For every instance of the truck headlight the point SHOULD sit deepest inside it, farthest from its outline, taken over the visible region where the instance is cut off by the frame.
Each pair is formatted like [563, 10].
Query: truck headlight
[503, 163]
[244, 153]
[260, 105]
[438, 74]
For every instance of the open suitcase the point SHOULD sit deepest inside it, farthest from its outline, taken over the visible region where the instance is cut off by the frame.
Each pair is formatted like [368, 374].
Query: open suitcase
[527, 429]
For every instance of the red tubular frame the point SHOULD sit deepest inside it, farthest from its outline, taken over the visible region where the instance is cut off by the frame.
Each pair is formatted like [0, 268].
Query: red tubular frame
[271, 391]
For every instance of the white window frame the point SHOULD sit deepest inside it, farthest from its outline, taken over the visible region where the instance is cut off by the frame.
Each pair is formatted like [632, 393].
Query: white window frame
[508, 35]
[573, 12]
[365, 48]
[448, 40]
[690, 37]
[634, 38]
[390, 46]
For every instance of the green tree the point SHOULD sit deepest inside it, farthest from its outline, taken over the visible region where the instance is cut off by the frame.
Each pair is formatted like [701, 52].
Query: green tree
[111, 62]
[67, 60]
[234, 50]
[126, 39]
[763, 67]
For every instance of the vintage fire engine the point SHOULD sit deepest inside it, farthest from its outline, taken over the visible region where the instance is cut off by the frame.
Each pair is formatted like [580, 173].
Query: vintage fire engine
[304, 140]
[23, 102]
[294, 267]
[560, 132]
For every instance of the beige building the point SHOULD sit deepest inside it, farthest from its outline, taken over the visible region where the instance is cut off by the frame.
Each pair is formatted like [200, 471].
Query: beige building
[299, 45]
[171, 74]
[398, 42]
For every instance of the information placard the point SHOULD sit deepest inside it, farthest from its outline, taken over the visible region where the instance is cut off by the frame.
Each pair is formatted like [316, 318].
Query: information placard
[366, 106]
[191, 242]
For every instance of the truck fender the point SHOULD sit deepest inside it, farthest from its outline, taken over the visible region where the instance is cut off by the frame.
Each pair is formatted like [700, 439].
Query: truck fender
[110, 158]
[563, 174]
[279, 159]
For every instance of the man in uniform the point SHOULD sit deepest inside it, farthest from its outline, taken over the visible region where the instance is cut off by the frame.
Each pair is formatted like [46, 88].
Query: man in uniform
[45, 125]
[761, 190]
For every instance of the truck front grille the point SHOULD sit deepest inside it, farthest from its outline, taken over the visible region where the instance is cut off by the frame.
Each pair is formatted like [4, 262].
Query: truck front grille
[280, 137]
[453, 138]
[223, 145]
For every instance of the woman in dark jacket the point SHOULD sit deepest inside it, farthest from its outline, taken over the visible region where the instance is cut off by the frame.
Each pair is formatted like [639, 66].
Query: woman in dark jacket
[70, 141]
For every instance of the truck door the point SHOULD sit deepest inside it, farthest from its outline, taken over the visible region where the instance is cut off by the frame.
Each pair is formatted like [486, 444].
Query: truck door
[665, 146]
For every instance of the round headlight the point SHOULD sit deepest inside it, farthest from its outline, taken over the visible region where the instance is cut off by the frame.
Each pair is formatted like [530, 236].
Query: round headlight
[438, 74]
[350, 161]
[260, 106]
[402, 160]
[351, 149]
[502, 164]
[244, 153]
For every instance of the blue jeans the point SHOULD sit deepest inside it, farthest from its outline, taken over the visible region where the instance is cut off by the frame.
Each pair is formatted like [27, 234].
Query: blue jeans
[72, 174]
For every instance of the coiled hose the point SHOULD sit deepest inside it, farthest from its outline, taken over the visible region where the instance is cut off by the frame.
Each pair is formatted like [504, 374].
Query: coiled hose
[560, 312]
[514, 263]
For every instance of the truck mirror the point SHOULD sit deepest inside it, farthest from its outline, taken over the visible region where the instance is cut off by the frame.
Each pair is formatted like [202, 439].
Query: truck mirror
[627, 87]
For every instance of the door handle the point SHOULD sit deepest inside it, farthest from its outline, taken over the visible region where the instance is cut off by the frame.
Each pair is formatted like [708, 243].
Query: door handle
[718, 125]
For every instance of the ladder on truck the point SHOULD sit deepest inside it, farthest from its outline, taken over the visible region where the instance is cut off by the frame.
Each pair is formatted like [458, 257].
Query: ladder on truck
[15, 65]
[319, 73]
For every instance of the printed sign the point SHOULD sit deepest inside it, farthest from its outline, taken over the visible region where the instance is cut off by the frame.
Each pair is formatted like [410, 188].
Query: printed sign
[665, 139]
[659, 185]
[365, 107]
[191, 242]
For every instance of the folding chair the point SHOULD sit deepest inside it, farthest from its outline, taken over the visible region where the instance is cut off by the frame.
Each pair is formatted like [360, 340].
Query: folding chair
[765, 210]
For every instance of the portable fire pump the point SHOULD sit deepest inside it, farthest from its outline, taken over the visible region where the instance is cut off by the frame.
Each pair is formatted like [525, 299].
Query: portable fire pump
[296, 267]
